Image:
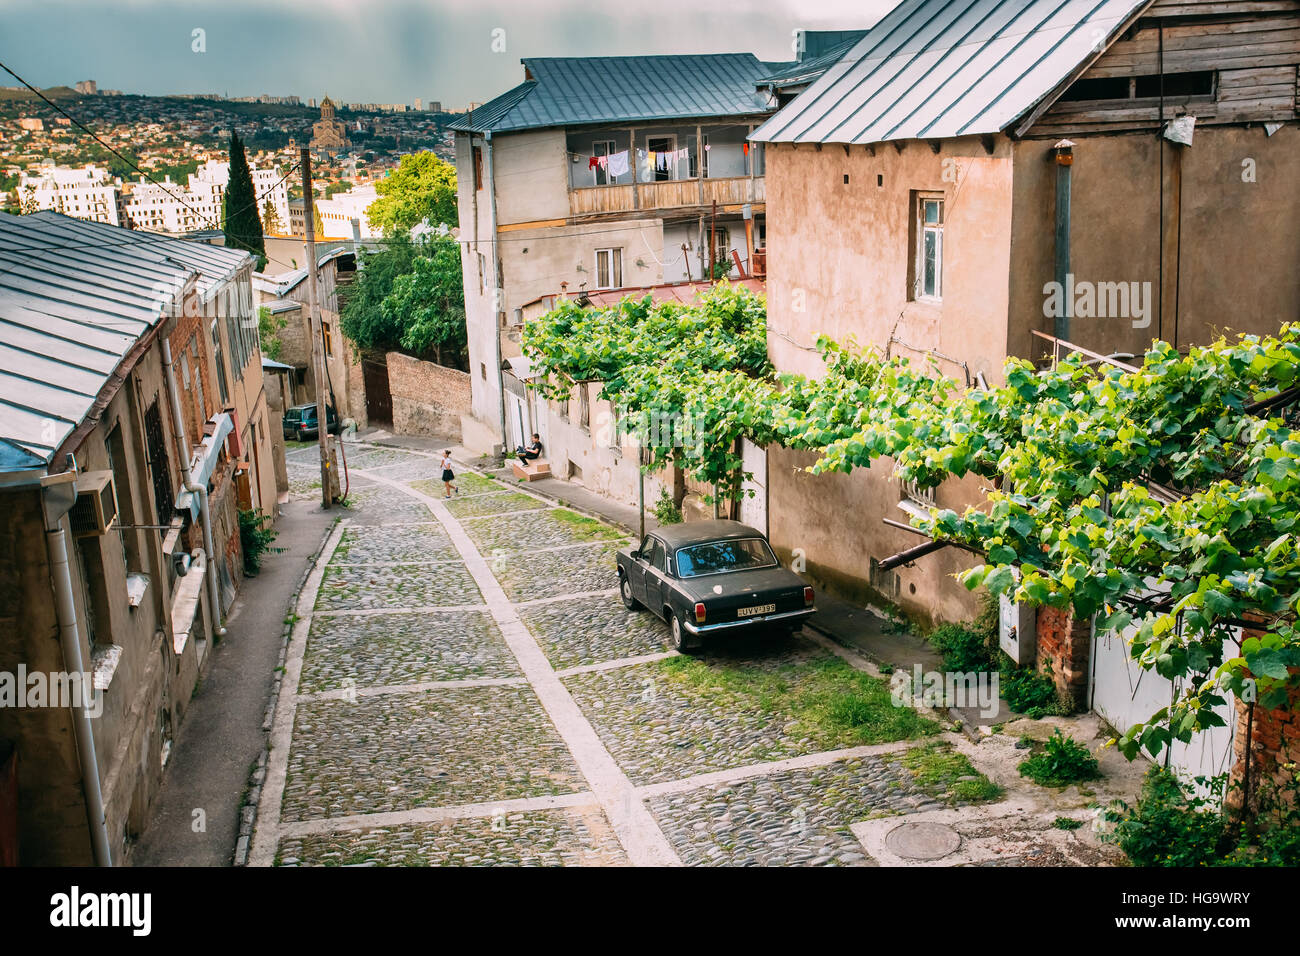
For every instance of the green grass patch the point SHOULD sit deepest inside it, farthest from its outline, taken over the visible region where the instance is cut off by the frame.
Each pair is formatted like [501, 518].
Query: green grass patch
[827, 701]
[941, 771]
[587, 528]
[1065, 823]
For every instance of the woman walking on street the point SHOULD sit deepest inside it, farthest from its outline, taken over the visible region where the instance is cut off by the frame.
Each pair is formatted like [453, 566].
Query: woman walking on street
[448, 475]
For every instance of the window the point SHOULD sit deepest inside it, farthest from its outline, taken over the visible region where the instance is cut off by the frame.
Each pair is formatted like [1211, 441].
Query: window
[744, 554]
[602, 147]
[663, 158]
[584, 407]
[1145, 87]
[221, 362]
[478, 167]
[155, 446]
[927, 232]
[329, 339]
[658, 556]
[609, 268]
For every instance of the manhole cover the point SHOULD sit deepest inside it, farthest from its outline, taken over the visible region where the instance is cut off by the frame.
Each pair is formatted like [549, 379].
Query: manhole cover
[922, 841]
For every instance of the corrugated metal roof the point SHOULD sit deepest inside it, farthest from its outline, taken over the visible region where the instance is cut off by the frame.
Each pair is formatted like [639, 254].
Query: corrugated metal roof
[573, 91]
[938, 68]
[75, 297]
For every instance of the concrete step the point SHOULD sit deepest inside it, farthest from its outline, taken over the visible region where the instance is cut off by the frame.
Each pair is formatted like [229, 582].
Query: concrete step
[531, 471]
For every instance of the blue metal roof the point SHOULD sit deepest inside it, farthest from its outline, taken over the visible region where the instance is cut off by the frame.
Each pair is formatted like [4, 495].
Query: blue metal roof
[811, 67]
[576, 91]
[932, 69]
[75, 297]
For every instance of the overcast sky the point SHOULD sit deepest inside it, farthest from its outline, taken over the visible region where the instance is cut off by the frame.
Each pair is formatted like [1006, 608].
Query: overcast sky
[378, 51]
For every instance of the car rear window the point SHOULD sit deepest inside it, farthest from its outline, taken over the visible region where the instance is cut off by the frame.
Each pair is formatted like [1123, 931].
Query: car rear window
[293, 414]
[743, 554]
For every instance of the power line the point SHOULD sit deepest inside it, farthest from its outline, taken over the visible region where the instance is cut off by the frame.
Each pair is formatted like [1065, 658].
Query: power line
[95, 136]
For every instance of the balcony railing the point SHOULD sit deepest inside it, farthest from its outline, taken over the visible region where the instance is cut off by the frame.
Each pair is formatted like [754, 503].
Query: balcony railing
[672, 194]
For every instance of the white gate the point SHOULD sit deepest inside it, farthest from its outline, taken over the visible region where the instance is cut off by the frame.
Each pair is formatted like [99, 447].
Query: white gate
[753, 510]
[1125, 694]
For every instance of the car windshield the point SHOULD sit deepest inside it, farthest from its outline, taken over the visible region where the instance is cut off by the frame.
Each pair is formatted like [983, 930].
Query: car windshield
[744, 554]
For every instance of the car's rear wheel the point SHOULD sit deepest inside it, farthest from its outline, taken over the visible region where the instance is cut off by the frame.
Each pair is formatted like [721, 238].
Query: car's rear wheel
[682, 642]
[625, 592]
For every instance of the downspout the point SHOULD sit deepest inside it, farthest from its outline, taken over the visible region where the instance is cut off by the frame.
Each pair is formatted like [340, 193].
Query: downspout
[188, 483]
[57, 498]
[1063, 154]
[491, 184]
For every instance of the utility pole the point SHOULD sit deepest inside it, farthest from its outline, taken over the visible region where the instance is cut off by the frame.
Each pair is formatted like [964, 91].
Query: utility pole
[317, 336]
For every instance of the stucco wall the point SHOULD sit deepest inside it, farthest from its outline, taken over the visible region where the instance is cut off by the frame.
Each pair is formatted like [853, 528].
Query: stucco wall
[1237, 249]
[838, 257]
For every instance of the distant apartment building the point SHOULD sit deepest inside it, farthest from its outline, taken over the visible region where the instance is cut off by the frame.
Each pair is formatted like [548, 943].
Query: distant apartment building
[33, 124]
[335, 215]
[172, 208]
[85, 193]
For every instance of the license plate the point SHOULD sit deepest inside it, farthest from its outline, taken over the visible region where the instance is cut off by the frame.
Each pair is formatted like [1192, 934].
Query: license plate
[758, 609]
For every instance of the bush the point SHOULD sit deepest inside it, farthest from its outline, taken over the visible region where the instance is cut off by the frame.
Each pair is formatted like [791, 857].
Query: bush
[666, 510]
[1063, 761]
[1028, 692]
[255, 537]
[1174, 826]
[963, 648]
[1168, 827]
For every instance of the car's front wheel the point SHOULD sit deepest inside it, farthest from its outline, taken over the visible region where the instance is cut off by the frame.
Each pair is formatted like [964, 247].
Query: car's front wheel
[625, 592]
[682, 641]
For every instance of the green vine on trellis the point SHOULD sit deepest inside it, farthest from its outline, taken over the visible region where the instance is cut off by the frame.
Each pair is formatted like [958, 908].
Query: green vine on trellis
[1164, 498]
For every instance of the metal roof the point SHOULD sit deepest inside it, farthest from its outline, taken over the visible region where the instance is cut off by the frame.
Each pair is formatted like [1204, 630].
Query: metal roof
[807, 70]
[574, 91]
[938, 68]
[75, 297]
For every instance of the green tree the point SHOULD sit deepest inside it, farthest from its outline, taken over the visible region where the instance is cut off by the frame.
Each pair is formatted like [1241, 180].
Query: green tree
[242, 225]
[421, 187]
[362, 317]
[428, 303]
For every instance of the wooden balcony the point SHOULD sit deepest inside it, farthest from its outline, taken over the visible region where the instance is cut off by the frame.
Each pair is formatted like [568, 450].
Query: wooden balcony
[591, 201]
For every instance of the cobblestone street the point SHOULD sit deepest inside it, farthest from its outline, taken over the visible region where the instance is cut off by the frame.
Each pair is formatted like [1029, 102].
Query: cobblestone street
[462, 686]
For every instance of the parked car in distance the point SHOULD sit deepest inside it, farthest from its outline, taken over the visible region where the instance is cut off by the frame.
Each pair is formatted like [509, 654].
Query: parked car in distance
[712, 578]
[299, 422]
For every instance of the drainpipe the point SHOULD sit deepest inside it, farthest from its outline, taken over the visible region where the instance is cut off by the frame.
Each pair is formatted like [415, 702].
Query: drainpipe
[496, 288]
[193, 488]
[57, 498]
[1063, 154]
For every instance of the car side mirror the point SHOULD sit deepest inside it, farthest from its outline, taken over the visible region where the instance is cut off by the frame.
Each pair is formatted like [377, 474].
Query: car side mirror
[636, 555]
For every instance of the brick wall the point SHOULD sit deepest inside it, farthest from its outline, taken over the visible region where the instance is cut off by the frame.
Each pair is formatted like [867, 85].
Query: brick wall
[1063, 648]
[428, 399]
[1274, 742]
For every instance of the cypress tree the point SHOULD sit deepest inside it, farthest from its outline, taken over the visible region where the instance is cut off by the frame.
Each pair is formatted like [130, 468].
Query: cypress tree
[243, 225]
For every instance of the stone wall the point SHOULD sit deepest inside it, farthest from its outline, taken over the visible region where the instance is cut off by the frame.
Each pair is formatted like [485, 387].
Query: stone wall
[428, 399]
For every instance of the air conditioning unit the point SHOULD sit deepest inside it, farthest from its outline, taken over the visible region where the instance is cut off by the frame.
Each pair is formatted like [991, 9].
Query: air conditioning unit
[96, 508]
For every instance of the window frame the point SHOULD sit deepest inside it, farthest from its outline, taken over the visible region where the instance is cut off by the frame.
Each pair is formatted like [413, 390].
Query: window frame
[615, 254]
[921, 230]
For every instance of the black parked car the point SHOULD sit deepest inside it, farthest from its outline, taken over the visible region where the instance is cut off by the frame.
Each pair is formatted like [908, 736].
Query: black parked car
[712, 577]
[299, 422]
